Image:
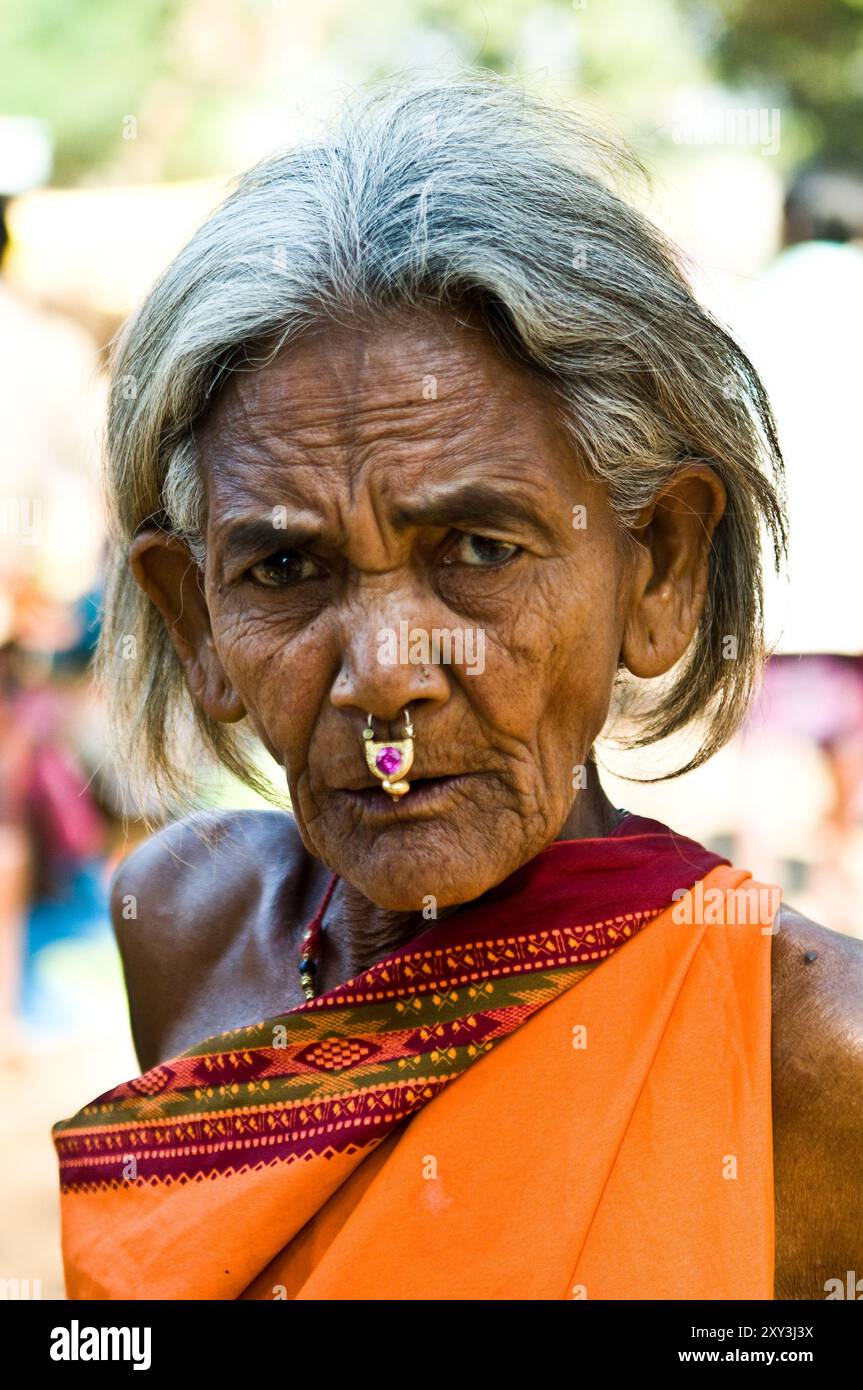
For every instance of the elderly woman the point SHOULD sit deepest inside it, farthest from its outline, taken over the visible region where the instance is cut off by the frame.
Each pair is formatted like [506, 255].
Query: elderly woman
[421, 455]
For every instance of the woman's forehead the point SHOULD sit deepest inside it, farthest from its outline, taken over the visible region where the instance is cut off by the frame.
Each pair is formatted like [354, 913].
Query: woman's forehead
[418, 393]
[423, 358]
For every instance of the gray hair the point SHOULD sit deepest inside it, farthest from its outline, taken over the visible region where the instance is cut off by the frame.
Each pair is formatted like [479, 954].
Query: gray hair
[433, 192]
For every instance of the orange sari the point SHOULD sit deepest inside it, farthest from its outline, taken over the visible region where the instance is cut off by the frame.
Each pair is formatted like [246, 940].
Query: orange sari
[473, 1118]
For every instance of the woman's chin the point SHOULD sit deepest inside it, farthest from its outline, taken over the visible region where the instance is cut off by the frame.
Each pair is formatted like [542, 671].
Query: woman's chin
[407, 896]
[423, 870]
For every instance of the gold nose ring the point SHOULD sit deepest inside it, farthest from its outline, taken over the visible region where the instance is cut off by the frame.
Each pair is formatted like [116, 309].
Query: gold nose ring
[391, 761]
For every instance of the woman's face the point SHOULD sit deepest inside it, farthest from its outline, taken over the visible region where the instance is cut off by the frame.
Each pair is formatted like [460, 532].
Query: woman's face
[400, 480]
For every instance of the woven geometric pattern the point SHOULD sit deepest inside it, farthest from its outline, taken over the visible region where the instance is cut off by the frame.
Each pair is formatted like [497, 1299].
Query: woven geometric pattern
[335, 1073]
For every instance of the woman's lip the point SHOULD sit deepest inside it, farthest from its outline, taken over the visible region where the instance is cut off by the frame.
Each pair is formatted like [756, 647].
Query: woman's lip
[427, 793]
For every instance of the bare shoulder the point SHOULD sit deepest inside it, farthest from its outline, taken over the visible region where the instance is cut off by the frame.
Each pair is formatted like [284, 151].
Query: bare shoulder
[818, 1104]
[223, 852]
[189, 906]
[817, 986]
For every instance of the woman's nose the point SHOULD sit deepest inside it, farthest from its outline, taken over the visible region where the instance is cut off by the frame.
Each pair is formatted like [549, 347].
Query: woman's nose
[387, 665]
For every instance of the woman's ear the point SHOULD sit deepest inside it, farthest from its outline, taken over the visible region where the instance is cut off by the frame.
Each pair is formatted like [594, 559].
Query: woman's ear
[672, 565]
[165, 569]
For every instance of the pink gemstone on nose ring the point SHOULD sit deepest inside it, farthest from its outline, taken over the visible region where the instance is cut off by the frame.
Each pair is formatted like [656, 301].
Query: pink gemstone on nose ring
[389, 761]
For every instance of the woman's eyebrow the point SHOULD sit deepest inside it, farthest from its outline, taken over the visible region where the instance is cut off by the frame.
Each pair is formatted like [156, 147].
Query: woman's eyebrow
[475, 504]
[244, 540]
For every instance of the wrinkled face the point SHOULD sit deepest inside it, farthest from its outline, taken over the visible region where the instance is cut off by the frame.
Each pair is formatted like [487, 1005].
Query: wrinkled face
[367, 489]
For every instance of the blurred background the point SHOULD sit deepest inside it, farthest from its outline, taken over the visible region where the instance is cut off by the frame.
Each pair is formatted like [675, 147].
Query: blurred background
[120, 127]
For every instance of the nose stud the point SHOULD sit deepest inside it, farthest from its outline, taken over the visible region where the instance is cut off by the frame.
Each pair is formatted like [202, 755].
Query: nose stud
[391, 762]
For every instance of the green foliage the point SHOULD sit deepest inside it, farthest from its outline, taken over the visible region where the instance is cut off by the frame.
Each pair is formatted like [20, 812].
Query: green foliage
[82, 66]
[190, 70]
[810, 52]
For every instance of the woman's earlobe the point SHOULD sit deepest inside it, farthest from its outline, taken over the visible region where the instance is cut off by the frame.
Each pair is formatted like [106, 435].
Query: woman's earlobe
[219, 699]
[645, 654]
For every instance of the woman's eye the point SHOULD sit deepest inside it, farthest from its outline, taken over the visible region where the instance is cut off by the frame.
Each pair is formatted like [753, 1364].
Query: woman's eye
[282, 569]
[473, 549]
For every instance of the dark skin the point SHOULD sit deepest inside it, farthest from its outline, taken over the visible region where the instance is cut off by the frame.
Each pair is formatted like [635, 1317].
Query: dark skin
[377, 528]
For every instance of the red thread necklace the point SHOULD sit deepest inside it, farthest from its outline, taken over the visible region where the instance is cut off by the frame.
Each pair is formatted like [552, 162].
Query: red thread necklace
[310, 949]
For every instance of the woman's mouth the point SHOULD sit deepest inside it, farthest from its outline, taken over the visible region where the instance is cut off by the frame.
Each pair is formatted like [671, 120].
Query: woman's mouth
[429, 795]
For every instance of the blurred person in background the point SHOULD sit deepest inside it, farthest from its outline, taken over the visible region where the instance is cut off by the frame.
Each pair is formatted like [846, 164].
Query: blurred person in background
[47, 808]
[52, 833]
[802, 330]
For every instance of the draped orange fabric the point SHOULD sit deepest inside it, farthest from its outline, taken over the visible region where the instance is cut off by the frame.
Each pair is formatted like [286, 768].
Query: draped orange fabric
[636, 1166]
[614, 1142]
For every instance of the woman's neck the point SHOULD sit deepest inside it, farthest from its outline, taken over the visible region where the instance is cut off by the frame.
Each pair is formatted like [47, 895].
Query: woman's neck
[592, 815]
